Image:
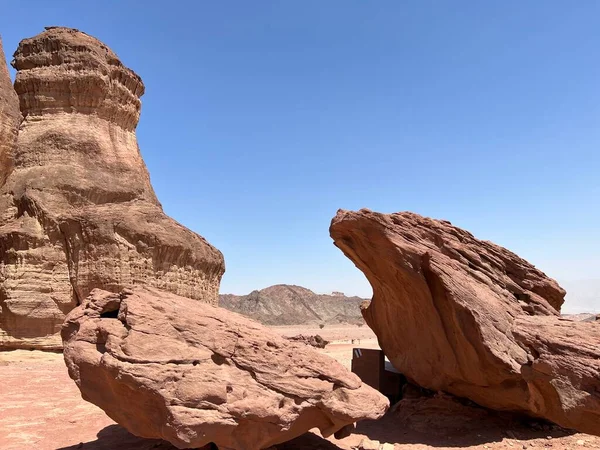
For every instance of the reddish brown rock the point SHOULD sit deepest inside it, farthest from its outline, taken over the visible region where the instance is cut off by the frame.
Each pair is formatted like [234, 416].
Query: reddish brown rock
[9, 118]
[167, 367]
[78, 211]
[471, 318]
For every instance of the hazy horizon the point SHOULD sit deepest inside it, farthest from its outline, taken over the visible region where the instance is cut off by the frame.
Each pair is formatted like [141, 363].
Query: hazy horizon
[583, 296]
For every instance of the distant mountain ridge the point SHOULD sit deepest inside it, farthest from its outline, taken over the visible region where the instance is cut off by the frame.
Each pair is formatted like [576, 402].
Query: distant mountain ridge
[284, 304]
[583, 296]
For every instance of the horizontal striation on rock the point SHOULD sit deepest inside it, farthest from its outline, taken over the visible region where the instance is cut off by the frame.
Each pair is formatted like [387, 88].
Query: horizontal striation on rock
[78, 211]
[66, 70]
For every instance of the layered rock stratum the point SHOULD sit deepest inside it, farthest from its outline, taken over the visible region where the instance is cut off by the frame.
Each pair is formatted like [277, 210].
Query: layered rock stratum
[10, 117]
[167, 367]
[77, 208]
[285, 304]
[468, 317]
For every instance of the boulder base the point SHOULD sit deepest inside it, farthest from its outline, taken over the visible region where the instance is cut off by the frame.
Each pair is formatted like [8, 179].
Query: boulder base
[168, 367]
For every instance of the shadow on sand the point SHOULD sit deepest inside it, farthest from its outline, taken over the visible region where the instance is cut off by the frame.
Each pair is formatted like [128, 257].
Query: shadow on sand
[446, 422]
[115, 437]
[437, 421]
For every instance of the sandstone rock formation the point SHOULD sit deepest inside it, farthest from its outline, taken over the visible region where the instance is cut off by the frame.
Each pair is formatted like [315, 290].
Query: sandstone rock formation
[471, 318]
[9, 118]
[166, 367]
[285, 304]
[78, 211]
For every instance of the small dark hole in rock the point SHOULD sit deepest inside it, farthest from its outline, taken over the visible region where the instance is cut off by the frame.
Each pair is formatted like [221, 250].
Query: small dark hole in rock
[110, 314]
[101, 347]
[522, 296]
[229, 389]
[195, 363]
[218, 359]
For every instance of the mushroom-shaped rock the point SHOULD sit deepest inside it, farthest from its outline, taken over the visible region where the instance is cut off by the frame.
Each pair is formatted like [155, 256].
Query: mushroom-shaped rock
[471, 318]
[168, 367]
[77, 210]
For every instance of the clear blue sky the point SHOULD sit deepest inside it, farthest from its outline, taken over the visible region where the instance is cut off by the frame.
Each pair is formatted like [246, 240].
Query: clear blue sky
[262, 118]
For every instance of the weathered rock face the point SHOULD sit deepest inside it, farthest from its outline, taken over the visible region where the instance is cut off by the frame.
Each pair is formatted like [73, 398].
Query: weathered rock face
[9, 118]
[167, 367]
[471, 318]
[78, 209]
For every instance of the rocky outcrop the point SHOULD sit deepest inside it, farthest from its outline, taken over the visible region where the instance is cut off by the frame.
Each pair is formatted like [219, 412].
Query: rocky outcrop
[285, 304]
[314, 341]
[78, 209]
[166, 367]
[471, 318]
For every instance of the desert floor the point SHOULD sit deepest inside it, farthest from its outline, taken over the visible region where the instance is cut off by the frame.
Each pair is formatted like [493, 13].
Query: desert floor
[41, 408]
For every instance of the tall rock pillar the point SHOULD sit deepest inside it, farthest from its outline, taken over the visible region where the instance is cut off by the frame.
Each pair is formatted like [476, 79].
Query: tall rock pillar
[78, 211]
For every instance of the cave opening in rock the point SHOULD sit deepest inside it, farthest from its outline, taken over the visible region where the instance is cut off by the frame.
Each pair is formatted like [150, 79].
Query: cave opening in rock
[110, 314]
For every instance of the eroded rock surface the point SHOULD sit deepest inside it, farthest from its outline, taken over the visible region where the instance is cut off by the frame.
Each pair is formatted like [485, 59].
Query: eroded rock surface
[9, 118]
[78, 211]
[168, 367]
[471, 318]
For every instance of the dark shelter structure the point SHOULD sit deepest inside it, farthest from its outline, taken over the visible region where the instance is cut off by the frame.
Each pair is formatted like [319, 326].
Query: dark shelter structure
[372, 368]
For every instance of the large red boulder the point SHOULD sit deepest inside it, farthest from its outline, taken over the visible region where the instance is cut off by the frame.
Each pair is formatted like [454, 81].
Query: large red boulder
[471, 318]
[168, 367]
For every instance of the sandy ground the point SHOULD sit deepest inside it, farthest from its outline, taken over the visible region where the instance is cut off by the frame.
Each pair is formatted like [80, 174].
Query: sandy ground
[342, 338]
[336, 334]
[41, 409]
